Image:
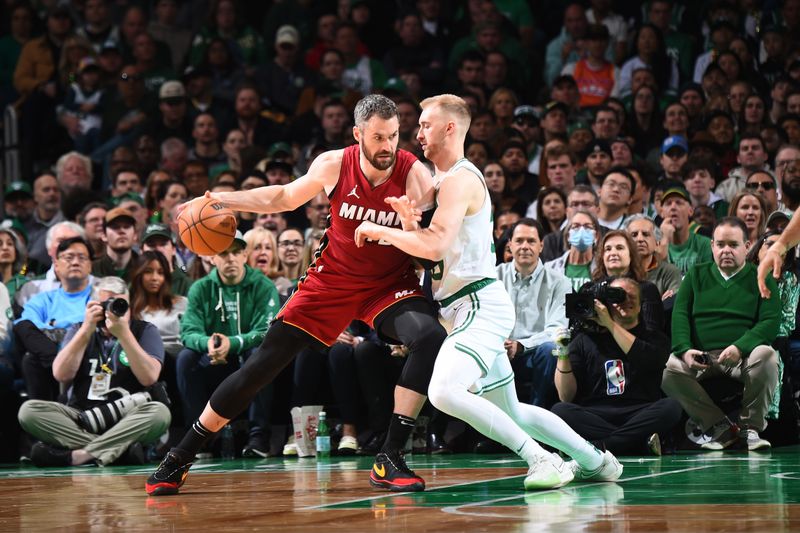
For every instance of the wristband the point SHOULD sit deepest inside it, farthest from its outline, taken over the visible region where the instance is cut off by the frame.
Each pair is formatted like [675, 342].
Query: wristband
[564, 371]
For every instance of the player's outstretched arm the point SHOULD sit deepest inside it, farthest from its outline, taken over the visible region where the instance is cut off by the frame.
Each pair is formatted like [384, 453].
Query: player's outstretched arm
[455, 198]
[321, 176]
[773, 261]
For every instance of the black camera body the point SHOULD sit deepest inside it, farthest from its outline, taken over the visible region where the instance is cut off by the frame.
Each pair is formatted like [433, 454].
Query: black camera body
[98, 419]
[580, 305]
[116, 306]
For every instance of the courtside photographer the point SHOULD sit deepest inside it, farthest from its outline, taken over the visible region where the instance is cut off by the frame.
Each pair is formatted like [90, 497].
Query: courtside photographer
[609, 380]
[111, 365]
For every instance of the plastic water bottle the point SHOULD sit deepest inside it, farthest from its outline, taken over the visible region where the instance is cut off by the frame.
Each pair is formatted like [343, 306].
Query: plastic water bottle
[228, 446]
[323, 437]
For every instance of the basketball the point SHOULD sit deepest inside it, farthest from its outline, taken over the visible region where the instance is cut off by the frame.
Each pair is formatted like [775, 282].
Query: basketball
[206, 226]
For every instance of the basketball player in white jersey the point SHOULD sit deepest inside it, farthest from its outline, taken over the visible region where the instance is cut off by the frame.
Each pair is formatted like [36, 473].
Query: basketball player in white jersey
[472, 377]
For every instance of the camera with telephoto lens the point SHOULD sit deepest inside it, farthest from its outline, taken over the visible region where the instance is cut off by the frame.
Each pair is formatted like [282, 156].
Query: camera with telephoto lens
[116, 306]
[121, 402]
[580, 305]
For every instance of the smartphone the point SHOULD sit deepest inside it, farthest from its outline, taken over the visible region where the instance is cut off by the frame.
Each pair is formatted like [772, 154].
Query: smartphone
[703, 358]
[217, 341]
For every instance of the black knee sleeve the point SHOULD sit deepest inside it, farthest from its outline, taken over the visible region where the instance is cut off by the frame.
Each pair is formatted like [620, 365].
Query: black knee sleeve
[414, 324]
[280, 345]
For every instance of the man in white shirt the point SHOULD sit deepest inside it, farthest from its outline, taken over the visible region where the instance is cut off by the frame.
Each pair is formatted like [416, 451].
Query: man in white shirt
[538, 294]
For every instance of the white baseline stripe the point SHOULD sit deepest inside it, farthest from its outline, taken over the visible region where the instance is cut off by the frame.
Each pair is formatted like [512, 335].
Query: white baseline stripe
[391, 494]
[455, 509]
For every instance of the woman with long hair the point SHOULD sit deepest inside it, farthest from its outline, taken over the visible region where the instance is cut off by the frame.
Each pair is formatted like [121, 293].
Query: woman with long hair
[152, 299]
[262, 255]
[645, 123]
[650, 52]
[13, 261]
[751, 207]
[154, 181]
[502, 103]
[169, 194]
[618, 256]
[503, 198]
[754, 115]
[551, 209]
[290, 253]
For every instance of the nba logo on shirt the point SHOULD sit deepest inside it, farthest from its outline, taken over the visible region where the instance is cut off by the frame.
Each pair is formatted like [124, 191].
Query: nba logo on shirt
[615, 377]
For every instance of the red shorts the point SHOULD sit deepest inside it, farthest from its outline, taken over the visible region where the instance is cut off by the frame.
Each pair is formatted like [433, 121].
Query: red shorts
[323, 310]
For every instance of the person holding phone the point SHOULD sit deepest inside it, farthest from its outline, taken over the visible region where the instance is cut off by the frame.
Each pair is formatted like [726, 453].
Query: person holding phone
[721, 326]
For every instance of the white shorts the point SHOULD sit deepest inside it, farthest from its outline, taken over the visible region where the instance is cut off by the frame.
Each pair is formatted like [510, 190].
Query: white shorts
[478, 324]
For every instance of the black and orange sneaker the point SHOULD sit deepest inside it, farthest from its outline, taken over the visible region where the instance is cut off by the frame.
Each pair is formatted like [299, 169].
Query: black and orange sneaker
[168, 477]
[391, 472]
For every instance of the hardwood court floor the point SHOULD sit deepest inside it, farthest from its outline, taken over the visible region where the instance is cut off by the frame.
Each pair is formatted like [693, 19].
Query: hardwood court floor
[695, 492]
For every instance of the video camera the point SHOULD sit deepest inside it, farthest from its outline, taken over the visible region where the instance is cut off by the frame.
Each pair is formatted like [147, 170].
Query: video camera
[580, 305]
[97, 419]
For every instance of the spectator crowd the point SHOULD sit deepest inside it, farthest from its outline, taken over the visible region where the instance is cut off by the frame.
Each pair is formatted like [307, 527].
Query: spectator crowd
[645, 154]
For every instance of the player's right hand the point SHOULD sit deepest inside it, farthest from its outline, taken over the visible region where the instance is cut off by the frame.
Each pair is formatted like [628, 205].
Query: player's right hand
[772, 262]
[184, 205]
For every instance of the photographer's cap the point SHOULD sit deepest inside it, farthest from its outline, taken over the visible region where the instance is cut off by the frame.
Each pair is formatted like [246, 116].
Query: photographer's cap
[157, 230]
[675, 191]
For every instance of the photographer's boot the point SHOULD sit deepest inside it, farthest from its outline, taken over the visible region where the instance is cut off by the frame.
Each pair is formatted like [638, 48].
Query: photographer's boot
[168, 477]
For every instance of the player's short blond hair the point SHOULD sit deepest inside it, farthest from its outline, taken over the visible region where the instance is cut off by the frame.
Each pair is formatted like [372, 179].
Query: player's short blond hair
[452, 105]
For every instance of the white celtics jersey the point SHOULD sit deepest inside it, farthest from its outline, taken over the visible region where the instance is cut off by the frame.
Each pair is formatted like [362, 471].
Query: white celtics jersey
[471, 257]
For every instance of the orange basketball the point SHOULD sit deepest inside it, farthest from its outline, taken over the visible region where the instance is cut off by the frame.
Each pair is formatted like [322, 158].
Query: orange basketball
[206, 226]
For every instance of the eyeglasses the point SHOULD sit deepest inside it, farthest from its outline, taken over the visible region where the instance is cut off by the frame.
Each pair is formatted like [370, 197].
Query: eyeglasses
[588, 226]
[69, 258]
[286, 244]
[766, 185]
[617, 185]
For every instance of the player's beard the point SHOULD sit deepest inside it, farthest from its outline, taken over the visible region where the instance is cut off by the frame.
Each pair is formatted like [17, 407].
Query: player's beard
[379, 164]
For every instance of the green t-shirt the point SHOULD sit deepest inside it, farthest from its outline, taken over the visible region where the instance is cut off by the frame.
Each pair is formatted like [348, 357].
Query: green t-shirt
[578, 275]
[697, 249]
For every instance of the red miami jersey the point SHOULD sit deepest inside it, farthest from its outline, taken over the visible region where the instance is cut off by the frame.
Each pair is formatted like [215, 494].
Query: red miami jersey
[354, 200]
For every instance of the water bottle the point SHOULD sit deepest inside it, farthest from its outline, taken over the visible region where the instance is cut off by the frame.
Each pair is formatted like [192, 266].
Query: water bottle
[323, 437]
[228, 446]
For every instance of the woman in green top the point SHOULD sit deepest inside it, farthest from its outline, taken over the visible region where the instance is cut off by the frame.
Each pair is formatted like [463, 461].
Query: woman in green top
[13, 261]
[581, 234]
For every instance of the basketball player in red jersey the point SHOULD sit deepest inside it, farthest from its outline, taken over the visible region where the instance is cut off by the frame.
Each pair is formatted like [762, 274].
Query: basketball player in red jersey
[375, 284]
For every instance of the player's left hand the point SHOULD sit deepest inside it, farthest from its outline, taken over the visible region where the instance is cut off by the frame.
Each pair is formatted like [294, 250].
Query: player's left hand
[406, 209]
[367, 231]
[730, 356]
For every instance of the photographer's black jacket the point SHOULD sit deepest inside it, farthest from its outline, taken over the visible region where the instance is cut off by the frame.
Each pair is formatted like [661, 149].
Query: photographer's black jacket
[100, 348]
[607, 376]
